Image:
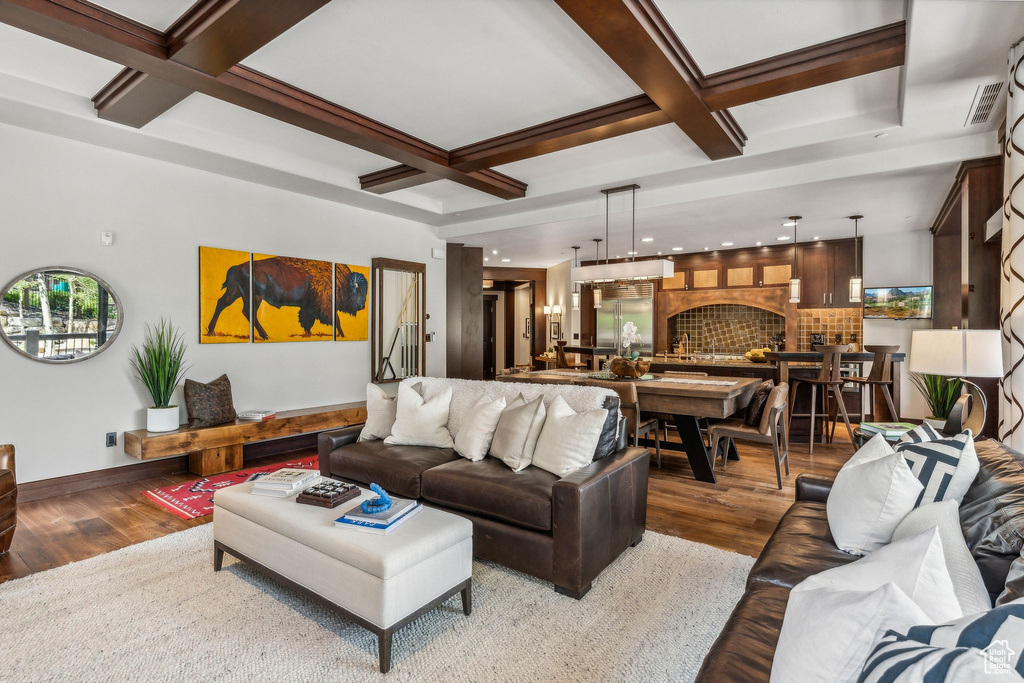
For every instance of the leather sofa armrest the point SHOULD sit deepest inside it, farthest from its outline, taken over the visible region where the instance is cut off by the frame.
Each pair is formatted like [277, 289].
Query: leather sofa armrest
[336, 438]
[813, 487]
[597, 512]
[7, 459]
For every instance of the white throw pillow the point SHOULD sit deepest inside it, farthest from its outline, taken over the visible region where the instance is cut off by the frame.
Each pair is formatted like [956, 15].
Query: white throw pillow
[871, 494]
[519, 427]
[915, 564]
[380, 414]
[828, 633]
[474, 437]
[967, 582]
[568, 439]
[420, 421]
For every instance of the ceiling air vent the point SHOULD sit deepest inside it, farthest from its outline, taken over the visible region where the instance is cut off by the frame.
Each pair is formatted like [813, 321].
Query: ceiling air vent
[985, 100]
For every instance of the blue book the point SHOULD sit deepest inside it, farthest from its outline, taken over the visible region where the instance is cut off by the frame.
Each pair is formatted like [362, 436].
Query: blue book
[380, 528]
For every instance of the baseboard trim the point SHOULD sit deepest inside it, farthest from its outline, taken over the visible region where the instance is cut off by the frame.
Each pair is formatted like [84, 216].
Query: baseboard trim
[85, 481]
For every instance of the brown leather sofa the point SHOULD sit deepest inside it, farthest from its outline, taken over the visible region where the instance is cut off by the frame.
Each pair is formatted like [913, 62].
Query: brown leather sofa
[565, 531]
[991, 516]
[8, 498]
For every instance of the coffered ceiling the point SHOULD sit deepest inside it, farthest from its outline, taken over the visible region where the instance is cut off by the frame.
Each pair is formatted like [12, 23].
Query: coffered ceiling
[358, 87]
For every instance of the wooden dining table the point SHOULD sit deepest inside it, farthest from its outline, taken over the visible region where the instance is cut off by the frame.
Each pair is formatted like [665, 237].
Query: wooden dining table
[683, 399]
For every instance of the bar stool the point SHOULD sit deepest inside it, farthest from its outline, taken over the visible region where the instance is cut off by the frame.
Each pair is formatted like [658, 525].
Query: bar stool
[830, 379]
[562, 361]
[880, 376]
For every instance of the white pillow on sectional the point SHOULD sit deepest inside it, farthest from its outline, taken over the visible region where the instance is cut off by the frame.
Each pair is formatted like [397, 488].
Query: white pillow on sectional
[477, 430]
[380, 414]
[870, 496]
[419, 421]
[916, 565]
[568, 439]
[519, 427]
[827, 633]
[963, 571]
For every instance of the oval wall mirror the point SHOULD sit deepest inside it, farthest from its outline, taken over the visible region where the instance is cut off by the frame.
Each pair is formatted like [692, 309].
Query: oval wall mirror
[59, 315]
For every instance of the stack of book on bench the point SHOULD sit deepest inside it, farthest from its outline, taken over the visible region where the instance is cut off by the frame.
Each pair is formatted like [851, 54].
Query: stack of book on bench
[890, 430]
[379, 522]
[284, 483]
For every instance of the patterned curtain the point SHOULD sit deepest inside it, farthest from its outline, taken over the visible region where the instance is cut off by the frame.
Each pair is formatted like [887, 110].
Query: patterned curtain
[1011, 405]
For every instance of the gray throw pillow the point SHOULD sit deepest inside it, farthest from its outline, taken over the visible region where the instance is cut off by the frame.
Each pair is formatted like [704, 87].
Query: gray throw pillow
[755, 409]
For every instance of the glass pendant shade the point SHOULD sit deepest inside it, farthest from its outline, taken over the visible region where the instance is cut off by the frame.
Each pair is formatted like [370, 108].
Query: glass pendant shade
[794, 290]
[575, 301]
[856, 288]
[597, 298]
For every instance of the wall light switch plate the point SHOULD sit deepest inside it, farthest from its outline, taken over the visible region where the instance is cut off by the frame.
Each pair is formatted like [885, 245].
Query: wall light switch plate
[107, 239]
[438, 253]
[111, 439]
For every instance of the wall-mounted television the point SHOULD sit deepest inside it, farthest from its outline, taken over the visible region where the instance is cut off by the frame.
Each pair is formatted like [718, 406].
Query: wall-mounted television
[898, 303]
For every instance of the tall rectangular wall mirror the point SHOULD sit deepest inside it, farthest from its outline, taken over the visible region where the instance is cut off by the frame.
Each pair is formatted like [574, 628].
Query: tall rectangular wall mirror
[398, 320]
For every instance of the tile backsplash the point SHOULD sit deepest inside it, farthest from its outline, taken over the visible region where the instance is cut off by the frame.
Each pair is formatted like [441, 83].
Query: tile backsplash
[830, 322]
[734, 328]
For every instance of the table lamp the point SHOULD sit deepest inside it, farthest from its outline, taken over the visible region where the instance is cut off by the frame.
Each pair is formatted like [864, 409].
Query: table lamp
[960, 354]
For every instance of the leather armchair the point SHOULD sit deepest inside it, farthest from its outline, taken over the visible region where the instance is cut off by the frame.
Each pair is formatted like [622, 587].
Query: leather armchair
[8, 498]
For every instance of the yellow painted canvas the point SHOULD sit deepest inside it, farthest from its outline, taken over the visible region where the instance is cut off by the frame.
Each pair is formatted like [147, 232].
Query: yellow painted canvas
[291, 299]
[223, 296]
[351, 307]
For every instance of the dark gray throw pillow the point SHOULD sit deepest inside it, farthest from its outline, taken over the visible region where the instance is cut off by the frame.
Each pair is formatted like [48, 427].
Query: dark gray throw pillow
[756, 406]
[209, 404]
[608, 443]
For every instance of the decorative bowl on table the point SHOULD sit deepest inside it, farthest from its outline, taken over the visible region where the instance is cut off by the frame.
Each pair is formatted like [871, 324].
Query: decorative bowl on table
[629, 368]
[757, 355]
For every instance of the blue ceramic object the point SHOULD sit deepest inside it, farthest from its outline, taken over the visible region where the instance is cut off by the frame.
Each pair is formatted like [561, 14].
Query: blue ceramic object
[379, 504]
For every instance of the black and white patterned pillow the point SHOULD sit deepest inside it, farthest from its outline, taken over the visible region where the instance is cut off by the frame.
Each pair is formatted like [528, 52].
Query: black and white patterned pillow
[922, 432]
[979, 647]
[945, 466]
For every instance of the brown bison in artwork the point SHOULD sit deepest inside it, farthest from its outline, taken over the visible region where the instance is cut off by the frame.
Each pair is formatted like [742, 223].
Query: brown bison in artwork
[281, 281]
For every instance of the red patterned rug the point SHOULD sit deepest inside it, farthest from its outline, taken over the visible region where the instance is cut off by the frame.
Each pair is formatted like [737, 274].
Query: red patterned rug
[193, 499]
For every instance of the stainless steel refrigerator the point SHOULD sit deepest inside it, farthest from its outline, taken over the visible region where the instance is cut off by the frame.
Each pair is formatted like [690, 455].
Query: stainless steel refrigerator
[619, 305]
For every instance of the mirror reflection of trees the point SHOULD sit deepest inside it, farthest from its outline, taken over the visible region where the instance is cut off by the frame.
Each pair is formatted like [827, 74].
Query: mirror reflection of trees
[58, 315]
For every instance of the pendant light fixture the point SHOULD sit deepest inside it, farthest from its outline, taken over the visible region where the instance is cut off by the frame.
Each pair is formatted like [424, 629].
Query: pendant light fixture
[625, 271]
[794, 282]
[597, 288]
[856, 281]
[575, 285]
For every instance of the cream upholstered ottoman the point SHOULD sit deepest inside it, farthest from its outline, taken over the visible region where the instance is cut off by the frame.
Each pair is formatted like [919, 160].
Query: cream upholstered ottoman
[381, 583]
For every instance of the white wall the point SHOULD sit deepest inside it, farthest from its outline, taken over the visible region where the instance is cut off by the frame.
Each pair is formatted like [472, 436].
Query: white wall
[559, 291]
[894, 260]
[57, 195]
[522, 353]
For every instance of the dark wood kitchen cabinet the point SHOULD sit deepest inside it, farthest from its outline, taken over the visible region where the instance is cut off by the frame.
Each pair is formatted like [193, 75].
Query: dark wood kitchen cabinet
[825, 269]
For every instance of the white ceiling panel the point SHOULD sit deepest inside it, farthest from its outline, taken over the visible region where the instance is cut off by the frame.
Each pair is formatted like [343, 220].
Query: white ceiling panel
[722, 34]
[28, 56]
[451, 72]
[158, 14]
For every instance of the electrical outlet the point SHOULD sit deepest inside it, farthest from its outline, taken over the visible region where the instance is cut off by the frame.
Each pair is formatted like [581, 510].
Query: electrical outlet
[111, 439]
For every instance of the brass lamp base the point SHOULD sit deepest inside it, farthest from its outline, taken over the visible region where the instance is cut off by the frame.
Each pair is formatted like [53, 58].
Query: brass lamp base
[961, 417]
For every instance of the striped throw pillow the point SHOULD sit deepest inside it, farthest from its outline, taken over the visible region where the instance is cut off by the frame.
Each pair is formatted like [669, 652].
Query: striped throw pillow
[979, 647]
[946, 467]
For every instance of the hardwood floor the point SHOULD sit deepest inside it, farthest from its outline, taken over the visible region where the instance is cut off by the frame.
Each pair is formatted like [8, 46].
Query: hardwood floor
[738, 513]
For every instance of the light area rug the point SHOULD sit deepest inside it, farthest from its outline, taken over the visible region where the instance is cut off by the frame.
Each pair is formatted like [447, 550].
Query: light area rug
[156, 611]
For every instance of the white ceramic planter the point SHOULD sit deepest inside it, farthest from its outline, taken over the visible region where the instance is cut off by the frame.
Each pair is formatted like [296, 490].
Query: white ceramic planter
[162, 419]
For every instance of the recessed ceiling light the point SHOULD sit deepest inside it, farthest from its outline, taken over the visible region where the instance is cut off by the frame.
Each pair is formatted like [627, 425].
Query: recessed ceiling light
[677, 248]
[816, 237]
[882, 135]
[789, 224]
[782, 238]
[706, 248]
[757, 244]
[659, 253]
[631, 253]
[506, 260]
[647, 239]
[486, 259]
[726, 244]
[494, 251]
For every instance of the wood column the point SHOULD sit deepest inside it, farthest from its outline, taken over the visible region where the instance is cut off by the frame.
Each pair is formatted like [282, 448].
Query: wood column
[464, 310]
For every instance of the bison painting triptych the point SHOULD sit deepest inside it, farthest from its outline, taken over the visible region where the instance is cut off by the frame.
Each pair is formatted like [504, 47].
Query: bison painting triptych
[266, 298]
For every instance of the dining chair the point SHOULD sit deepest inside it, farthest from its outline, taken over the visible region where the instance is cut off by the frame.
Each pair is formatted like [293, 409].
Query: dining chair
[8, 497]
[830, 379]
[772, 429]
[562, 362]
[880, 376]
[629, 404]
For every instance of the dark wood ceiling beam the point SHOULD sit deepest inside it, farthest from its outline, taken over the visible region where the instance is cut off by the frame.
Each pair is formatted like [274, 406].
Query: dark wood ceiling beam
[97, 31]
[836, 60]
[212, 36]
[640, 41]
[600, 123]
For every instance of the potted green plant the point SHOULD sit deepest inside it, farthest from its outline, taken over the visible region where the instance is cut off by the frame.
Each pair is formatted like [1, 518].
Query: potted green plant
[940, 392]
[159, 364]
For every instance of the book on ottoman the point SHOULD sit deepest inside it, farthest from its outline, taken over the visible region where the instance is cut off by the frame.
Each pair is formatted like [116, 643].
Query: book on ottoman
[379, 522]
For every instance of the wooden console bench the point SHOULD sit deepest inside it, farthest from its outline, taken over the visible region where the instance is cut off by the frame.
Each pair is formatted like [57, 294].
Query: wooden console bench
[212, 450]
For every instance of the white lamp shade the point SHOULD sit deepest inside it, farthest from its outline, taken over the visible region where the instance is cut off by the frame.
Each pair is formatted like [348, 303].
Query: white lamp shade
[957, 353]
[794, 290]
[547, 310]
[556, 309]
